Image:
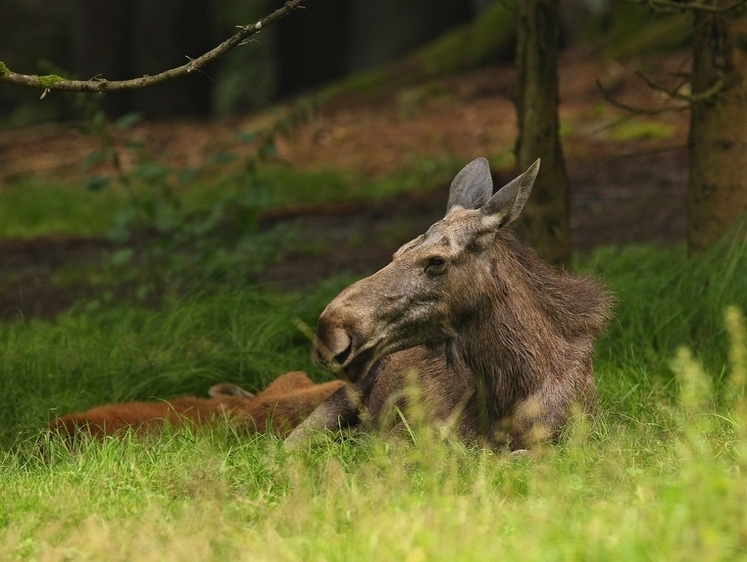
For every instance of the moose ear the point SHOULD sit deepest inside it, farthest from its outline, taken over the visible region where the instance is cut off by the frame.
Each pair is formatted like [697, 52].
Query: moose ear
[506, 205]
[471, 187]
[229, 390]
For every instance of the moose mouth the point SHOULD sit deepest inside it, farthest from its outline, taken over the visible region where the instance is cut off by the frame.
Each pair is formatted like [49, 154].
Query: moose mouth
[361, 365]
[350, 364]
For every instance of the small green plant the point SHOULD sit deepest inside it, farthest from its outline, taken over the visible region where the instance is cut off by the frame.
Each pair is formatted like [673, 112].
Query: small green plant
[168, 246]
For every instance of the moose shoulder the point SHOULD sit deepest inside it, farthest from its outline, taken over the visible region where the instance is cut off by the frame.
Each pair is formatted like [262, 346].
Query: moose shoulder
[498, 342]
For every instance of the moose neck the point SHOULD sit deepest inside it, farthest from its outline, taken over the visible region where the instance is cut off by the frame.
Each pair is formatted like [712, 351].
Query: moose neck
[522, 333]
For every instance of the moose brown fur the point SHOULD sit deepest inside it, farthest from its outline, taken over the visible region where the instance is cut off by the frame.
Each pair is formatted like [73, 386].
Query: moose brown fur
[278, 409]
[499, 343]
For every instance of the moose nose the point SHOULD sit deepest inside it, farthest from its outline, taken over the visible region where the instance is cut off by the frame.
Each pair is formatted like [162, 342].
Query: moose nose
[332, 345]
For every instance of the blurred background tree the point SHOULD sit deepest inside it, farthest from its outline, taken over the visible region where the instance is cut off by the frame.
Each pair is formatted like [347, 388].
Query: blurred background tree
[717, 194]
[546, 216]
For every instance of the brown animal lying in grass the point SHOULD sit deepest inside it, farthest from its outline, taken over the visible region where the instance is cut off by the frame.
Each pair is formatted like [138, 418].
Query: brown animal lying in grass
[499, 343]
[284, 404]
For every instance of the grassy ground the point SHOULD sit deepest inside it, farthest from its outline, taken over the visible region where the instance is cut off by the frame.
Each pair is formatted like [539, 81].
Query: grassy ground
[660, 476]
[623, 492]
[32, 207]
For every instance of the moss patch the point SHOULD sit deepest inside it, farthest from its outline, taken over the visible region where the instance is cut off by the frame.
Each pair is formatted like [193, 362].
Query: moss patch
[3, 69]
[468, 46]
[50, 79]
[659, 35]
[642, 130]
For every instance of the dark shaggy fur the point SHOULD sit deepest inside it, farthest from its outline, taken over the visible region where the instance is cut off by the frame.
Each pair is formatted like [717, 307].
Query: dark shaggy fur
[500, 343]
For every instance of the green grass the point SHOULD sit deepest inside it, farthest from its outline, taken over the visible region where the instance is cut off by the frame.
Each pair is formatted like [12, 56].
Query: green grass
[666, 301]
[34, 208]
[282, 186]
[618, 492]
[38, 207]
[659, 476]
[84, 358]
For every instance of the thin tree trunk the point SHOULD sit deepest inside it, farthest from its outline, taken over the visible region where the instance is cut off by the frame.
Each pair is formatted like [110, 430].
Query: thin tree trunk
[717, 193]
[547, 215]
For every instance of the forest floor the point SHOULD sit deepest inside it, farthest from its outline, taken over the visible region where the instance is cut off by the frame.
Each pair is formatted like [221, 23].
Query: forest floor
[628, 173]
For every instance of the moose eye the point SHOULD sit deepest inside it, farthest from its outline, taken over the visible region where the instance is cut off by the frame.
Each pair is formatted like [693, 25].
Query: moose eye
[435, 265]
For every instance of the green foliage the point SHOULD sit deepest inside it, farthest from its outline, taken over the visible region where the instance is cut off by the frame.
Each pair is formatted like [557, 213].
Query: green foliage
[185, 246]
[37, 207]
[3, 69]
[177, 230]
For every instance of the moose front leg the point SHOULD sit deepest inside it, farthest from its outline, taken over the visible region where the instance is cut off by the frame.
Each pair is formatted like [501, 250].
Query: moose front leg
[339, 411]
[542, 416]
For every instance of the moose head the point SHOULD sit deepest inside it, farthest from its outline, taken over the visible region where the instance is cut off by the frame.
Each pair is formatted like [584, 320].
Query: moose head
[432, 286]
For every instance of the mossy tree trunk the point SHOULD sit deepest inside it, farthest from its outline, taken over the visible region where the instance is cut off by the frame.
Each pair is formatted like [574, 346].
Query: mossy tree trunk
[547, 214]
[717, 193]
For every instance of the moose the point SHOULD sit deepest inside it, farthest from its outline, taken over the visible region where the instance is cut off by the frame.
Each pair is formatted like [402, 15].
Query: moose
[498, 343]
[278, 409]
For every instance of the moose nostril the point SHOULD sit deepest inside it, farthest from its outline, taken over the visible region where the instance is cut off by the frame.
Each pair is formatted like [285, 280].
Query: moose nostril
[333, 345]
[344, 355]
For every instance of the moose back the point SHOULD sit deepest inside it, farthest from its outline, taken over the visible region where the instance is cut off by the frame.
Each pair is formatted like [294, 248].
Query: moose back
[499, 343]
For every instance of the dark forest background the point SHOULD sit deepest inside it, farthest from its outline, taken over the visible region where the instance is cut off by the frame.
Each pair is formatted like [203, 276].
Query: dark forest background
[327, 39]
[122, 39]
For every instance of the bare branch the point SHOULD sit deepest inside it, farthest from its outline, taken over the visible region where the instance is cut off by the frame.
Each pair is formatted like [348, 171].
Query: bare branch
[100, 85]
[673, 93]
[668, 6]
[638, 110]
[716, 88]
